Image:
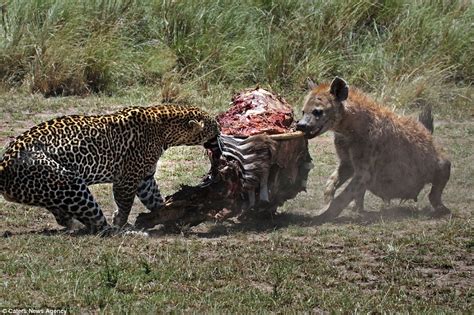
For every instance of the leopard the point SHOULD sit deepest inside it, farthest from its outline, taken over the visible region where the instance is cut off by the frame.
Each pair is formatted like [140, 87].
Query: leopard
[53, 164]
[389, 155]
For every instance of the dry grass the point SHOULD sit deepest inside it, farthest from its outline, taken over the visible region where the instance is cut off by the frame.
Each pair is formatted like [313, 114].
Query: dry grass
[58, 47]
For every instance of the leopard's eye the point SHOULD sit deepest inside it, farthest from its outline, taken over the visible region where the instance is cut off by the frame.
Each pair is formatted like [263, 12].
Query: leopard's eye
[317, 112]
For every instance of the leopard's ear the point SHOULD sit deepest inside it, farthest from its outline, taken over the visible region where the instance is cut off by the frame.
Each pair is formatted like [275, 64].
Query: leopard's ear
[195, 124]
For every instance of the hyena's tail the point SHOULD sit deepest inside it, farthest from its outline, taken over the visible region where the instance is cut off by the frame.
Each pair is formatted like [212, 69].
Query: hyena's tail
[426, 118]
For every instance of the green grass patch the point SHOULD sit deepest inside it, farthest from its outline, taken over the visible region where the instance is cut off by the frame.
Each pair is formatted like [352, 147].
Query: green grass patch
[342, 268]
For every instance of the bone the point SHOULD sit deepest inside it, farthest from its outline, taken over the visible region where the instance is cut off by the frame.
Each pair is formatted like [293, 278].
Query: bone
[263, 195]
[251, 198]
[254, 156]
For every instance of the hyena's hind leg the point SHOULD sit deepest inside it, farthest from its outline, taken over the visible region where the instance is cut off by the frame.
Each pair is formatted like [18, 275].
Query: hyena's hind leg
[441, 177]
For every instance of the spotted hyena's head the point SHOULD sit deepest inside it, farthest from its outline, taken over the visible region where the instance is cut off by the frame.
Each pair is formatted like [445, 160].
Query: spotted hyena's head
[323, 107]
[196, 127]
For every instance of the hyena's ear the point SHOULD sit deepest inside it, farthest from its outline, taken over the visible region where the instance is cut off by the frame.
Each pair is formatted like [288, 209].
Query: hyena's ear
[339, 89]
[196, 125]
[310, 84]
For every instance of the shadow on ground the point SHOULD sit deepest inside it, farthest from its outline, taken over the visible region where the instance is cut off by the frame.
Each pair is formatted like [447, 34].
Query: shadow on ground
[268, 223]
[264, 223]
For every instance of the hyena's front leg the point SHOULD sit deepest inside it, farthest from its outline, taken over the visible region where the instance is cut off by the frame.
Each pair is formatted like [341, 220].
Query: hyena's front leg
[359, 202]
[343, 172]
[353, 191]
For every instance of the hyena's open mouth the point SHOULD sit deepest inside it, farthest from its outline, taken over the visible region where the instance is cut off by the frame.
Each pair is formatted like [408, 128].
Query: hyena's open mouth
[310, 134]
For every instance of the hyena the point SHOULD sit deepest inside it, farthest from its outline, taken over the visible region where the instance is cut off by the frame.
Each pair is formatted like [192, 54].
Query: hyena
[391, 156]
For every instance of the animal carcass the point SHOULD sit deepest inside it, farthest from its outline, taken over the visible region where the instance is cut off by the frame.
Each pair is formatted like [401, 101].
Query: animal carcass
[257, 163]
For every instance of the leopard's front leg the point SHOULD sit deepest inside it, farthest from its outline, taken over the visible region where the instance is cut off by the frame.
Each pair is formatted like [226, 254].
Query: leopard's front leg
[124, 195]
[149, 194]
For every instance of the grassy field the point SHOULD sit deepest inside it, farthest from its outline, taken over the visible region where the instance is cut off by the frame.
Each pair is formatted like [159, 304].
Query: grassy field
[98, 56]
[397, 259]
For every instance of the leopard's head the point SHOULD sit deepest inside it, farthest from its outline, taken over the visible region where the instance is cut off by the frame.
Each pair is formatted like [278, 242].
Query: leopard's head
[193, 127]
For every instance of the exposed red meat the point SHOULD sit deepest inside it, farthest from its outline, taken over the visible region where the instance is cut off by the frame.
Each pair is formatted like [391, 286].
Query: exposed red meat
[255, 111]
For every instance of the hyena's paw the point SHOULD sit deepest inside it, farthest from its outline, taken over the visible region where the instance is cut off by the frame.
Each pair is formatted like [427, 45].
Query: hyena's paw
[441, 211]
[329, 193]
[330, 190]
[327, 213]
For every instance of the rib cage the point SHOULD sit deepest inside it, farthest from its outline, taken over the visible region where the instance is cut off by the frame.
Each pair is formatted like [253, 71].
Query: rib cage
[253, 156]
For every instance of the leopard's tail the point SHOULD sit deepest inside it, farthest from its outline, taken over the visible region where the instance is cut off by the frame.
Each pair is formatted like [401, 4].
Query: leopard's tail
[426, 118]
